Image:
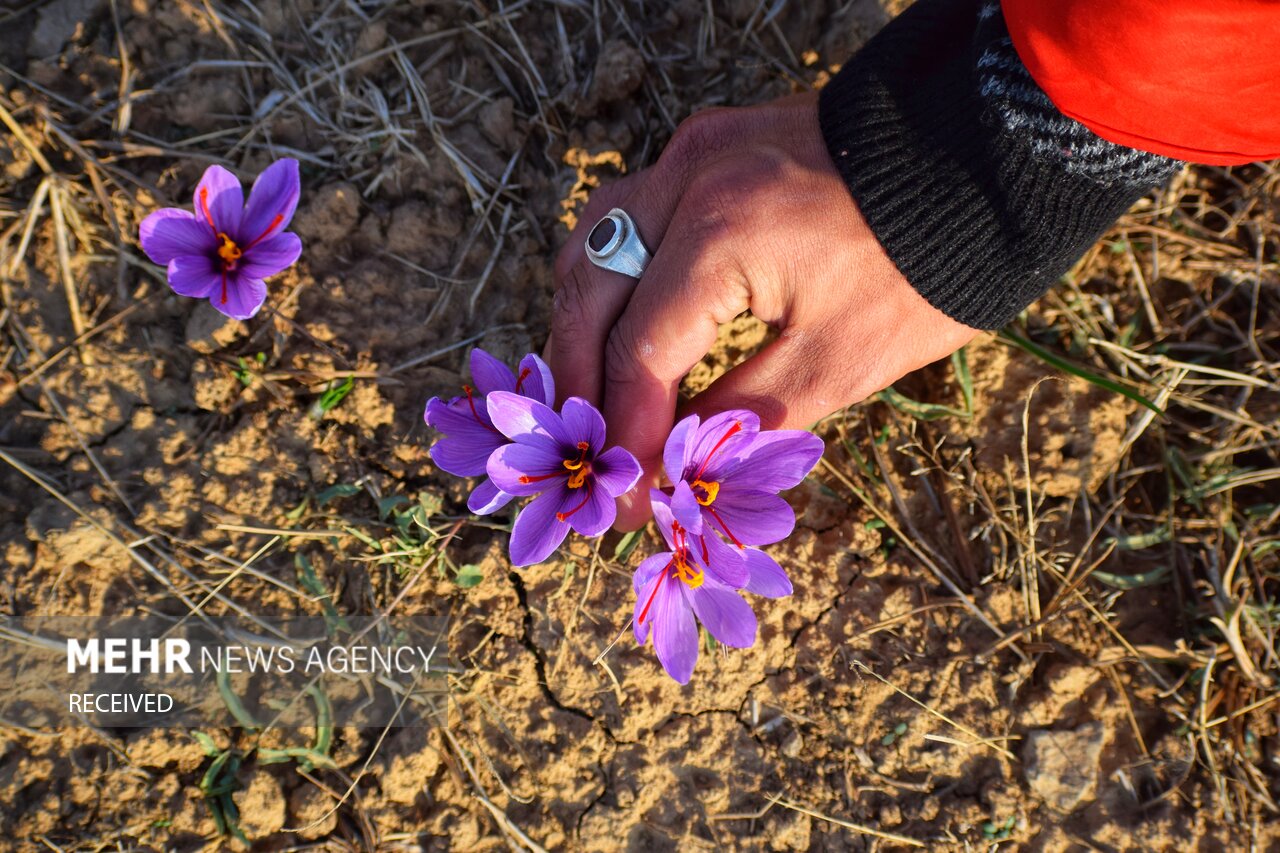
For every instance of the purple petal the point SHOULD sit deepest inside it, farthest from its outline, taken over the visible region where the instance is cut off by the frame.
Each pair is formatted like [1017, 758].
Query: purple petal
[537, 532]
[539, 384]
[487, 498]
[723, 562]
[776, 460]
[583, 422]
[594, 516]
[490, 374]
[675, 454]
[244, 297]
[719, 441]
[755, 517]
[662, 517]
[272, 201]
[685, 507]
[642, 584]
[270, 256]
[219, 198]
[466, 454]
[647, 569]
[527, 421]
[195, 275]
[616, 471]
[510, 462]
[729, 619]
[767, 578]
[456, 416]
[675, 634]
[170, 233]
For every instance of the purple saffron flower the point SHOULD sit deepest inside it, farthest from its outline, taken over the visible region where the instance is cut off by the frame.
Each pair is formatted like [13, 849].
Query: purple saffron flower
[699, 577]
[561, 459]
[727, 474]
[470, 436]
[224, 250]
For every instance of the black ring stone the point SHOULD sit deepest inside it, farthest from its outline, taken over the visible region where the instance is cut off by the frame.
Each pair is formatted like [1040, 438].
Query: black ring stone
[602, 234]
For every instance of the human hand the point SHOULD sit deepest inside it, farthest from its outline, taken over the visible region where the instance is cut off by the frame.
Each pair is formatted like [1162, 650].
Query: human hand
[743, 210]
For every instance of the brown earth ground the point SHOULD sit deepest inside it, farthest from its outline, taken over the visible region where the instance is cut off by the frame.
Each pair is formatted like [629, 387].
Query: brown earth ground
[1106, 682]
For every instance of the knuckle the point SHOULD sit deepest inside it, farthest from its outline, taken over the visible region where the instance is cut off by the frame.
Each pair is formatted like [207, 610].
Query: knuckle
[698, 136]
[573, 305]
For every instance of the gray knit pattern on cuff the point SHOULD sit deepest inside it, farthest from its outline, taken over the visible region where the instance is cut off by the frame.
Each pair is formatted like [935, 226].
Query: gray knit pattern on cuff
[979, 189]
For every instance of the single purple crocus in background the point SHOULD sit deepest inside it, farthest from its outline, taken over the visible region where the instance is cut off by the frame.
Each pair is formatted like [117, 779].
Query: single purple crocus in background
[727, 473]
[560, 458]
[469, 434]
[224, 250]
[694, 578]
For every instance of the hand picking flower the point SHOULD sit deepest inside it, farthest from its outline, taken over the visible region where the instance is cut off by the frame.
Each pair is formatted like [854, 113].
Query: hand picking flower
[727, 473]
[694, 578]
[469, 434]
[560, 458]
[224, 250]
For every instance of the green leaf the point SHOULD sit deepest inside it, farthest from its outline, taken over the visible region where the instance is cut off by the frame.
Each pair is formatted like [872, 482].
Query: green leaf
[339, 490]
[233, 703]
[960, 364]
[1150, 578]
[626, 545]
[296, 513]
[333, 620]
[387, 504]
[469, 575]
[1076, 370]
[918, 410]
[1140, 541]
[332, 396]
[206, 743]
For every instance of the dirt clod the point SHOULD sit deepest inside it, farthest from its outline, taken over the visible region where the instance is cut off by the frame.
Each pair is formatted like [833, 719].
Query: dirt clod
[1062, 766]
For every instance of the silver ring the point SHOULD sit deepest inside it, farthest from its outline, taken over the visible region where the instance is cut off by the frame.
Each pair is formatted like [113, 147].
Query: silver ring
[615, 244]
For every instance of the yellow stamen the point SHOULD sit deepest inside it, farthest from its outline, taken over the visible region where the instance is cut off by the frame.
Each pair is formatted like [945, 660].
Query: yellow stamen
[580, 466]
[228, 250]
[689, 573]
[705, 492]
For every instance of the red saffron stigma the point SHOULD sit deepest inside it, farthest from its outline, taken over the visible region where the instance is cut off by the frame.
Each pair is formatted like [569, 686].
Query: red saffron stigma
[705, 557]
[561, 516]
[524, 374]
[730, 433]
[524, 478]
[661, 577]
[724, 526]
[204, 208]
[275, 223]
[224, 287]
[466, 389]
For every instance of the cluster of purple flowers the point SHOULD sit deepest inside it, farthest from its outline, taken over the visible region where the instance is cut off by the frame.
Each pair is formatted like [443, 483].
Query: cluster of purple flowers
[726, 474]
[505, 428]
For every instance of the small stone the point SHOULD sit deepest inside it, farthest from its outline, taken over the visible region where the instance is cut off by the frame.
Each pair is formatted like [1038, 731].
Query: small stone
[209, 330]
[497, 122]
[1061, 767]
[58, 23]
[619, 72]
[793, 745]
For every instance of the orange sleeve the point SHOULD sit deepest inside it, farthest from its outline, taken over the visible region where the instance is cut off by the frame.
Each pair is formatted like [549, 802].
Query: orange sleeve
[1195, 80]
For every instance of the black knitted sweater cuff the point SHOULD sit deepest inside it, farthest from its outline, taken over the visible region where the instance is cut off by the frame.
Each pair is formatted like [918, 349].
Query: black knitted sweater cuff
[979, 189]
